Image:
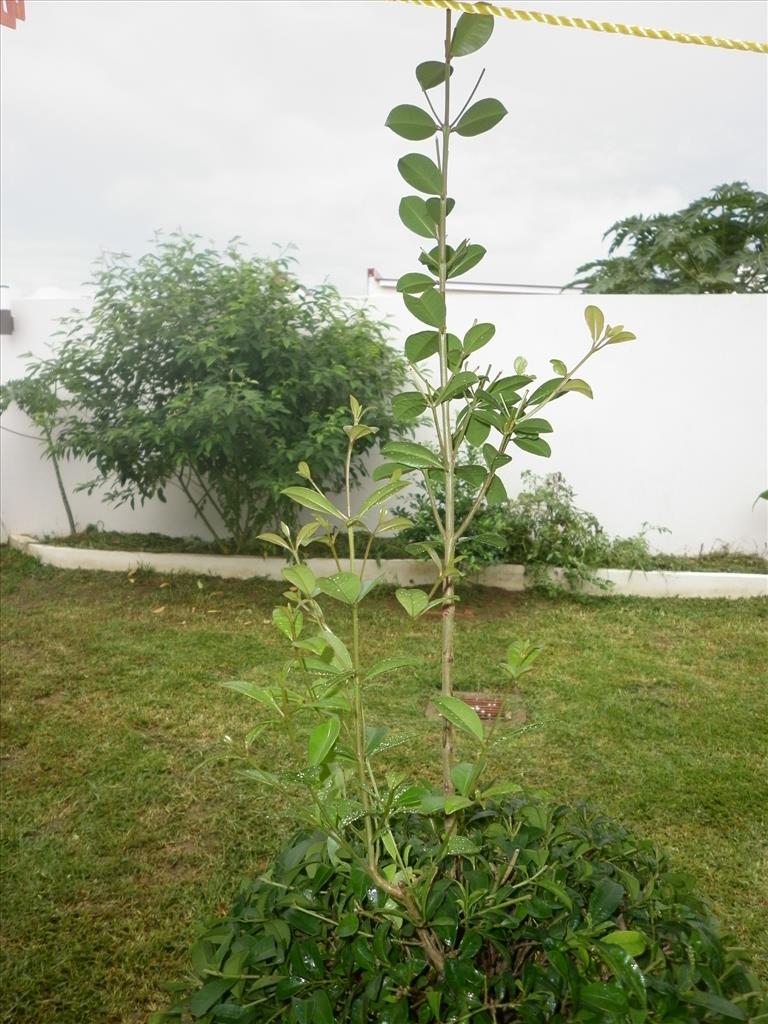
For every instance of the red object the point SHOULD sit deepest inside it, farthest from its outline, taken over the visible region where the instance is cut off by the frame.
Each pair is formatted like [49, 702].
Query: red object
[12, 11]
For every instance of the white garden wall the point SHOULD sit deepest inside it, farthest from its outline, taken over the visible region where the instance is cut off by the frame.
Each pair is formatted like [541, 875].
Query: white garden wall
[677, 434]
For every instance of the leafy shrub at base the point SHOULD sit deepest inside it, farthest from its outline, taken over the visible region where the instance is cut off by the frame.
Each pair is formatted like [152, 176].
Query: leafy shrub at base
[543, 914]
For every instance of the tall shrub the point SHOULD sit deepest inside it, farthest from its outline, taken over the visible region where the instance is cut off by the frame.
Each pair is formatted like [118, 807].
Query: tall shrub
[216, 372]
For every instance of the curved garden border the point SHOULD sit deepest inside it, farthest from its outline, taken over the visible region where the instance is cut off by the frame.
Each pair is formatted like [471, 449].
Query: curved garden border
[399, 572]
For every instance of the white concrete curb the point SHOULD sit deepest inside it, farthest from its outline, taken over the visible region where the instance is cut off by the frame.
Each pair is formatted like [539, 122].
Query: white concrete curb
[402, 571]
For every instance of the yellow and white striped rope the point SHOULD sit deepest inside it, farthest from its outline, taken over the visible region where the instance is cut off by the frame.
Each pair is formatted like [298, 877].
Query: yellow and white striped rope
[594, 26]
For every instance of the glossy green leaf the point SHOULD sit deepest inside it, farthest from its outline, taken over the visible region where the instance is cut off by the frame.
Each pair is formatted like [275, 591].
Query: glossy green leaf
[461, 846]
[466, 260]
[477, 336]
[633, 943]
[456, 386]
[533, 445]
[414, 283]
[421, 345]
[265, 695]
[421, 173]
[477, 431]
[456, 803]
[462, 776]
[481, 117]
[311, 499]
[322, 739]
[603, 998]
[342, 586]
[545, 390]
[348, 925]
[411, 122]
[555, 890]
[595, 321]
[460, 715]
[429, 307]
[415, 602]
[533, 425]
[431, 73]
[416, 217]
[472, 31]
[380, 495]
[302, 577]
[605, 899]
[409, 453]
[473, 474]
[408, 406]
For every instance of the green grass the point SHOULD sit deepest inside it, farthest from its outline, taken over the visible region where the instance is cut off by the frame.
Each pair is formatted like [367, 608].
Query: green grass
[626, 554]
[125, 823]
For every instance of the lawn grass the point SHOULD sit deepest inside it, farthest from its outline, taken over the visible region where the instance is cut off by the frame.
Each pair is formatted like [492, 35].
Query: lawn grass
[125, 823]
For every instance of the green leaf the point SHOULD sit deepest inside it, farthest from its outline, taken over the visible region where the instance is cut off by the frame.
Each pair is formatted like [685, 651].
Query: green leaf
[386, 471]
[477, 431]
[415, 283]
[210, 994]
[433, 206]
[496, 494]
[391, 664]
[481, 117]
[431, 73]
[286, 623]
[415, 456]
[348, 925]
[460, 846]
[466, 260]
[457, 385]
[494, 459]
[605, 899]
[429, 307]
[616, 339]
[411, 122]
[421, 345]
[533, 425]
[322, 739]
[342, 586]
[578, 385]
[302, 577]
[421, 173]
[408, 406]
[715, 1003]
[534, 445]
[603, 998]
[415, 602]
[555, 890]
[457, 803]
[545, 390]
[416, 217]
[477, 336]
[460, 715]
[501, 789]
[633, 943]
[273, 538]
[559, 366]
[380, 495]
[595, 321]
[472, 31]
[462, 776]
[261, 694]
[311, 499]
[474, 475]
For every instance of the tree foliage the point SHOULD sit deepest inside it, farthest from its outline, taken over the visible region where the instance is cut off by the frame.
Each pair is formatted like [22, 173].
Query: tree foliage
[718, 244]
[218, 372]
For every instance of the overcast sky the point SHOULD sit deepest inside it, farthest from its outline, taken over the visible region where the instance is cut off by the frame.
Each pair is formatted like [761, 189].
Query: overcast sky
[265, 120]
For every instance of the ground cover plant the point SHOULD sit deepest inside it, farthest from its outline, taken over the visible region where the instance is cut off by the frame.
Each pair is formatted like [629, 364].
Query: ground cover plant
[403, 900]
[125, 825]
